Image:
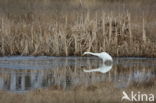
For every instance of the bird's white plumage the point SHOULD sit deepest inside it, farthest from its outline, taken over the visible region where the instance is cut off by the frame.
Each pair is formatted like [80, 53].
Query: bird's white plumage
[103, 69]
[103, 55]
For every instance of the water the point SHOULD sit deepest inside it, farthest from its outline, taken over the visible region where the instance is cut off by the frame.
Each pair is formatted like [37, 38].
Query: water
[23, 74]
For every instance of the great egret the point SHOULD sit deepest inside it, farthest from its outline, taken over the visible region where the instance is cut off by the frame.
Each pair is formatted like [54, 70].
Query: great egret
[103, 55]
[103, 69]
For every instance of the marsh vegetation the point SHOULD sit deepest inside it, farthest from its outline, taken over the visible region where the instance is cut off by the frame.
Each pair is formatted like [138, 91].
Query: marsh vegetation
[49, 27]
[69, 28]
[62, 79]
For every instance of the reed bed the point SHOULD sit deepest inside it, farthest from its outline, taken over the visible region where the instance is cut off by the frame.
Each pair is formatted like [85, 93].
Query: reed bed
[37, 30]
[98, 93]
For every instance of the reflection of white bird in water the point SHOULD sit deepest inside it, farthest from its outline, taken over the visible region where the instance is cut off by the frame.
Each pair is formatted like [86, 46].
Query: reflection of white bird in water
[105, 57]
[103, 69]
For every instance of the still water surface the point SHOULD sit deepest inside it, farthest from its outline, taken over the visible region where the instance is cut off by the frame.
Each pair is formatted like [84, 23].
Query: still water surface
[22, 74]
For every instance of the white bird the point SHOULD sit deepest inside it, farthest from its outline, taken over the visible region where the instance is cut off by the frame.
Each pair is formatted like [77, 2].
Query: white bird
[103, 69]
[103, 55]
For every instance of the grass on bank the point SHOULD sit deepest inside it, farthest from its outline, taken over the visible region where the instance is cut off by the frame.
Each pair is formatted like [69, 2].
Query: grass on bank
[101, 93]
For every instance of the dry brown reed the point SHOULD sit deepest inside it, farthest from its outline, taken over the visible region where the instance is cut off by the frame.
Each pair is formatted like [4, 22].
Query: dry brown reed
[98, 93]
[36, 31]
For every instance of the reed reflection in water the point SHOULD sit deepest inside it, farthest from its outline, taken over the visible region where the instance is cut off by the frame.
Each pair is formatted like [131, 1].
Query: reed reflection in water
[20, 75]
